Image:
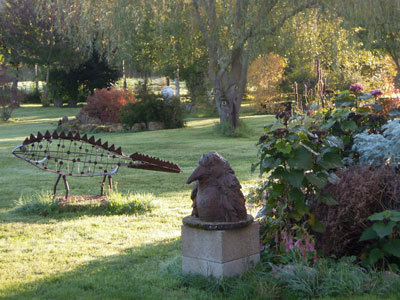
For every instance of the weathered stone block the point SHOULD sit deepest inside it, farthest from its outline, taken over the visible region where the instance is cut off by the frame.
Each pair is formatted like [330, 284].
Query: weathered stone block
[155, 126]
[220, 253]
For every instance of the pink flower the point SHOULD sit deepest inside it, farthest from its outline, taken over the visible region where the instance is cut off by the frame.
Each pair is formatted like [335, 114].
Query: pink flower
[356, 88]
[312, 246]
[291, 243]
[376, 93]
[315, 257]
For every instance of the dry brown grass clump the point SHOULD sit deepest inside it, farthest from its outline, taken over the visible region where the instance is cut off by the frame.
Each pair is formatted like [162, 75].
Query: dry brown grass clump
[362, 191]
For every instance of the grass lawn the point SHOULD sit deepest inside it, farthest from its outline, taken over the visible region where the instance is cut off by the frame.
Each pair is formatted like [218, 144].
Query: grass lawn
[78, 256]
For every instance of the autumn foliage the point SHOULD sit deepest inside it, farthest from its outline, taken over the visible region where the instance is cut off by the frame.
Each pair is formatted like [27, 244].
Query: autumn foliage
[265, 76]
[105, 104]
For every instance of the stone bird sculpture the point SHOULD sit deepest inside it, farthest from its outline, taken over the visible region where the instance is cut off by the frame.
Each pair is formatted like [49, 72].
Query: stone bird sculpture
[216, 194]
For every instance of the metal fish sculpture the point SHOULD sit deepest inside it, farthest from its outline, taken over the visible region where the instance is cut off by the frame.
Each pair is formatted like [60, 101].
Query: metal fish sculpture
[68, 154]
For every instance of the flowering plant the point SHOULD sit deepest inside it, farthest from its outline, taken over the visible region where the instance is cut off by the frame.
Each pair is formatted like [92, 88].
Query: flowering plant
[376, 93]
[356, 88]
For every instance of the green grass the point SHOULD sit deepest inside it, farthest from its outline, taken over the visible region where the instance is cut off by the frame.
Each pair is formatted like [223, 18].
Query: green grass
[86, 256]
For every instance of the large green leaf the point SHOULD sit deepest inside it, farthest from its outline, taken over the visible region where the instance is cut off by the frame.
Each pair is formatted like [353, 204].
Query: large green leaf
[270, 163]
[375, 255]
[319, 180]
[328, 199]
[294, 177]
[383, 229]
[393, 215]
[331, 160]
[283, 146]
[295, 194]
[349, 125]
[334, 141]
[302, 159]
[328, 124]
[278, 173]
[368, 234]
[393, 247]
[345, 101]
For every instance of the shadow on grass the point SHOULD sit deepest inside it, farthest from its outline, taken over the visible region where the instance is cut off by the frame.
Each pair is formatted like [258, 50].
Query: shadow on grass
[135, 274]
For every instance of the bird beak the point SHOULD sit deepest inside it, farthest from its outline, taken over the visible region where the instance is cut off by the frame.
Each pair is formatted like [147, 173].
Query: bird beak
[197, 173]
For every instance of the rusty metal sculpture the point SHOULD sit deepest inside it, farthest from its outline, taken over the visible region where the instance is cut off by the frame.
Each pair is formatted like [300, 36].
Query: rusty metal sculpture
[216, 194]
[68, 154]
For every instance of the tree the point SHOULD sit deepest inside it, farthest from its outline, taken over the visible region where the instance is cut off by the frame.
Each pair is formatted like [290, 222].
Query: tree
[30, 35]
[319, 33]
[9, 97]
[230, 29]
[182, 55]
[378, 23]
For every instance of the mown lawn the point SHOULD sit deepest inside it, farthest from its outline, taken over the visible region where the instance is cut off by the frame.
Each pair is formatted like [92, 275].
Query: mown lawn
[81, 256]
[78, 256]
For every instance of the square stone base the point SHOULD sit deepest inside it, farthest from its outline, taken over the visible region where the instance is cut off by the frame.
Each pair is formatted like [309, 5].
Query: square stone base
[220, 253]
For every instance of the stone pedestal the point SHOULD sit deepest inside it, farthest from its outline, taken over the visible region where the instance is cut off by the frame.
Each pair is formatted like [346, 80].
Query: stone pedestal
[219, 249]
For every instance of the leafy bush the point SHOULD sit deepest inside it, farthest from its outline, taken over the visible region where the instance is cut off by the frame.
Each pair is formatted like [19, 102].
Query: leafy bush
[33, 96]
[106, 104]
[174, 113]
[299, 161]
[362, 191]
[385, 239]
[150, 108]
[300, 155]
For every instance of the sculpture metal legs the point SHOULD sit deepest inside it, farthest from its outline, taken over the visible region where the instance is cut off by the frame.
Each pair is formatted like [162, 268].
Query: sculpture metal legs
[65, 184]
[104, 182]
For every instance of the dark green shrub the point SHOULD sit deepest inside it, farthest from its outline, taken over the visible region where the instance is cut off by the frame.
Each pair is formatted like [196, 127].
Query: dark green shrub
[79, 82]
[173, 114]
[151, 108]
[33, 96]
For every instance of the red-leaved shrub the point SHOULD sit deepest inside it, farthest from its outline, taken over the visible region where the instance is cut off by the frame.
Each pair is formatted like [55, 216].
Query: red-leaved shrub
[362, 191]
[105, 104]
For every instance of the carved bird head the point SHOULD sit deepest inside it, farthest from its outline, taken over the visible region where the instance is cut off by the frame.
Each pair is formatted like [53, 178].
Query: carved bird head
[211, 165]
[217, 196]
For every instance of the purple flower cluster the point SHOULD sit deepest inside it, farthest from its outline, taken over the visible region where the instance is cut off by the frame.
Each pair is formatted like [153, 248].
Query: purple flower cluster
[356, 88]
[304, 247]
[376, 93]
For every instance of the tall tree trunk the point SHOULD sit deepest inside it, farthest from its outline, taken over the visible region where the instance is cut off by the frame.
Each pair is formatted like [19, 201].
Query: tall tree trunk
[36, 77]
[45, 100]
[229, 86]
[177, 84]
[15, 80]
[124, 74]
